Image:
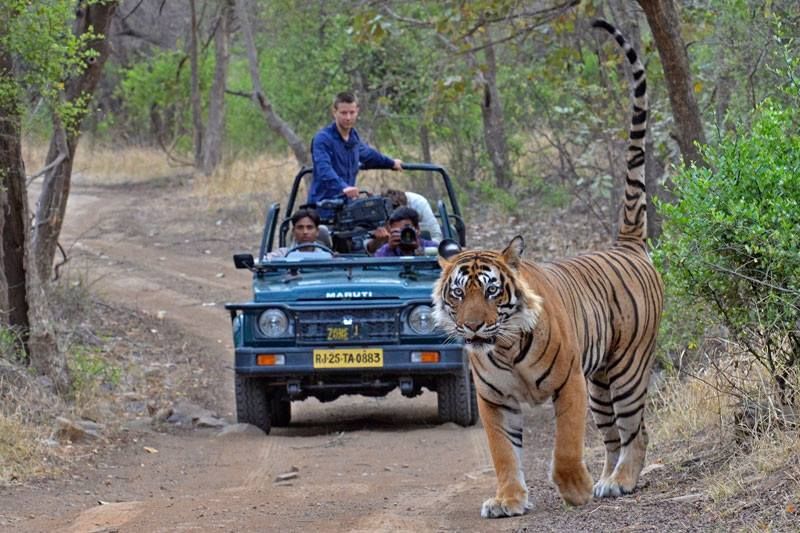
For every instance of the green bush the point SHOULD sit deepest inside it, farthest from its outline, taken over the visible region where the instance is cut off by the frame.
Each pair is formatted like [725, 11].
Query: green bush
[90, 369]
[10, 345]
[731, 242]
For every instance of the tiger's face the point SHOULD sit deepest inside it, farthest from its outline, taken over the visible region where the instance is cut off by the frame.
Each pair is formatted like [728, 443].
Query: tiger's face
[482, 297]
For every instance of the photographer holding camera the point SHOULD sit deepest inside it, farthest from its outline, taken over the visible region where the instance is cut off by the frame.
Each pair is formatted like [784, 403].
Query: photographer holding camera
[402, 234]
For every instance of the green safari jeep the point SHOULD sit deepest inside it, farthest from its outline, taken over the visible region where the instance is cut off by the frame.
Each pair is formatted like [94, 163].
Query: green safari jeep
[337, 321]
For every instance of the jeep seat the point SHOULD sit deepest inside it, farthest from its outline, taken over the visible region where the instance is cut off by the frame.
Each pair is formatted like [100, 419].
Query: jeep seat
[324, 236]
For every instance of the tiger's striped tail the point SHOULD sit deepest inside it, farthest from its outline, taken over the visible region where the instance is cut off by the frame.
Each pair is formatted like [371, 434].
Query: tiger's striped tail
[633, 219]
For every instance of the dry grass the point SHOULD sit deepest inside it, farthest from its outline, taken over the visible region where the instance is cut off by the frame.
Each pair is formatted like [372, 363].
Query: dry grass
[25, 411]
[747, 464]
[255, 183]
[689, 407]
[103, 165]
[29, 408]
[22, 452]
[249, 184]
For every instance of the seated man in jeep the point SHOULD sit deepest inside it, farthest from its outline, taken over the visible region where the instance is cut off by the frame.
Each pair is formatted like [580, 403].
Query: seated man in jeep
[305, 230]
[402, 234]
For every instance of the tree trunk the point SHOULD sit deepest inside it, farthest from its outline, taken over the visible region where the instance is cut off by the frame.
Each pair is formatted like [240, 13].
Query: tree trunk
[13, 204]
[44, 354]
[428, 187]
[197, 110]
[494, 130]
[22, 302]
[215, 130]
[361, 89]
[4, 306]
[275, 122]
[662, 16]
[653, 172]
[56, 185]
[425, 142]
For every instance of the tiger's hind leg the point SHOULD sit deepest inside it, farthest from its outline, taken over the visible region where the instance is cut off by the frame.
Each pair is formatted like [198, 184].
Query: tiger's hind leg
[569, 472]
[628, 396]
[603, 413]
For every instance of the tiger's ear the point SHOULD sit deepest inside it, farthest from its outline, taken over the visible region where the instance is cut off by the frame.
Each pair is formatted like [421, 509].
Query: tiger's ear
[513, 252]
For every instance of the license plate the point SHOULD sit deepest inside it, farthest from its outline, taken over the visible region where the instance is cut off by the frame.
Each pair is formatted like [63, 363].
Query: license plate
[348, 358]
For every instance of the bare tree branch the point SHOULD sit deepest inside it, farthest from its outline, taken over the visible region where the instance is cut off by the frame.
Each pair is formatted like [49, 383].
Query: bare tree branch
[64, 260]
[545, 16]
[243, 94]
[750, 279]
[61, 157]
[275, 122]
[132, 11]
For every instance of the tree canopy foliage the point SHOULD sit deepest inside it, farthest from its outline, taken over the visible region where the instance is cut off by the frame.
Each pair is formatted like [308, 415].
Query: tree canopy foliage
[524, 103]
[419, 69]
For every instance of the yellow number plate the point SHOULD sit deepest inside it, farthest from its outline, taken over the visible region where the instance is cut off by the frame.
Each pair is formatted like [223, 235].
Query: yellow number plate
[348, 358]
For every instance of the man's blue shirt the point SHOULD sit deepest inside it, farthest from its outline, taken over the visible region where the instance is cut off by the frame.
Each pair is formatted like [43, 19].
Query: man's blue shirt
[336, 162]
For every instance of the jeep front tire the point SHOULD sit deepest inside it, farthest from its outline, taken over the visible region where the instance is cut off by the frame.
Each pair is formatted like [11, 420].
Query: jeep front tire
[252, 403]
[455, 394]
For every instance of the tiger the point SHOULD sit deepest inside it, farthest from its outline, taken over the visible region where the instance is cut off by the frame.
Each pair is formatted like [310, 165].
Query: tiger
[551, 330]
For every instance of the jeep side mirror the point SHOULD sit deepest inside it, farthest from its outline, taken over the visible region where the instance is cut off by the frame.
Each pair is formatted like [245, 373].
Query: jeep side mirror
[448, 248]
[243, 261]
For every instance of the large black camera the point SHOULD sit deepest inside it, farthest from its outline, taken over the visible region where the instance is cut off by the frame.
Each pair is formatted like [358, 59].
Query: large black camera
[408, 236]
[352, 221]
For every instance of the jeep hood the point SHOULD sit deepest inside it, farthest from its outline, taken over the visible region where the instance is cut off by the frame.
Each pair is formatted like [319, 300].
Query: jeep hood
[334, 285]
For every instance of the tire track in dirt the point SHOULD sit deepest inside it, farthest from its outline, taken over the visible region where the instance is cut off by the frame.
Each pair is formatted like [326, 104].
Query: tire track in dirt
[153, 278]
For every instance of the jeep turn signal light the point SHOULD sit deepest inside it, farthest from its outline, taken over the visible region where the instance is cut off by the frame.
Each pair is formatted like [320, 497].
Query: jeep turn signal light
[424, 357]
[270, 359]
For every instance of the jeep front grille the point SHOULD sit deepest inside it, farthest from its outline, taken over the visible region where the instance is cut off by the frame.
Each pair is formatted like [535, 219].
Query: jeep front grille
[357, 325]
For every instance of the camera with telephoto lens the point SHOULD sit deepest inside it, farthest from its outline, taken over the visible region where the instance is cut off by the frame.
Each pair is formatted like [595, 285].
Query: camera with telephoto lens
[408, 237]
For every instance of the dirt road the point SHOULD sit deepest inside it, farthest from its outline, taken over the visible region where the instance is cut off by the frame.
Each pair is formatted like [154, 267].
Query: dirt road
[361, 464]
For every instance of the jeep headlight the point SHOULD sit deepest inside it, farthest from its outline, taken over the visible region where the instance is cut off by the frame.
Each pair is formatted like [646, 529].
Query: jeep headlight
[420, 319]
[273, 323]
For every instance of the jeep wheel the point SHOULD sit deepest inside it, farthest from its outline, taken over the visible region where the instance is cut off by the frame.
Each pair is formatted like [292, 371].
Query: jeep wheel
[455, 398]
[252, 405]
[280, 412]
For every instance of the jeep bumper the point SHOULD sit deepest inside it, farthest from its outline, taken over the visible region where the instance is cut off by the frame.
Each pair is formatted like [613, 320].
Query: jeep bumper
[397, 360]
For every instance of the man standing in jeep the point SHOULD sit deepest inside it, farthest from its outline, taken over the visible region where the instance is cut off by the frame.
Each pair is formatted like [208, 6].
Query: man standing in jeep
[338, 154]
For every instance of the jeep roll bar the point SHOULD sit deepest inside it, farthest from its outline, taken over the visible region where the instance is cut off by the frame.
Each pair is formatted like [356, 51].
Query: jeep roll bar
[268, 233]
[455, 216]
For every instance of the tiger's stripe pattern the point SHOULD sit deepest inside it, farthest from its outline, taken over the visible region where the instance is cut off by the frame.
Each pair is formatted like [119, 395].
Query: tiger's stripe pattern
[559, 330]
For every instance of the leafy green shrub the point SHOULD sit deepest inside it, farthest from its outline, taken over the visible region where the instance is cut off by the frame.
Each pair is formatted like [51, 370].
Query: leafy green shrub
[731, 241]
[9, 344]
[89, 370]
[156, 97]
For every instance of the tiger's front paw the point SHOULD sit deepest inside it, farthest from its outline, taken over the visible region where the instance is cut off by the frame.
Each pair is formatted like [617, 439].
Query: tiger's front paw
[574, 484]
[500, 507]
